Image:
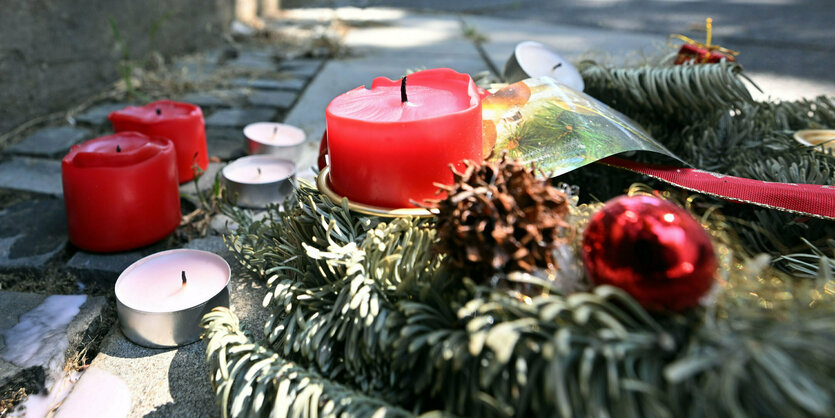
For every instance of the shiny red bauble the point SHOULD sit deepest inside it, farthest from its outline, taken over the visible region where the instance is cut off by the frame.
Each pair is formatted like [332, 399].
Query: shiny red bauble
[652, 249]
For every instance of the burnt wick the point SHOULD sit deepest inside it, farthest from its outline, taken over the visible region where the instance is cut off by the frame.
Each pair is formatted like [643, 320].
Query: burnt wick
[118, 148]
[403, 97]
[159, 111]
[259, 170]
[183, 276]
[559, 64]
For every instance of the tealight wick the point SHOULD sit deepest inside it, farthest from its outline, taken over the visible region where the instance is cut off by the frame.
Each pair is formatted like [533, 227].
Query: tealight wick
[118, 148]
[259, 170]
[159, 111]
[559, 64]
[403, 98]
[184, 277]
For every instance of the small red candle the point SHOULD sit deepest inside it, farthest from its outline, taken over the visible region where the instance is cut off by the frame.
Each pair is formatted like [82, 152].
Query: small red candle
[389, 144]
[179, 122]
[121, 191]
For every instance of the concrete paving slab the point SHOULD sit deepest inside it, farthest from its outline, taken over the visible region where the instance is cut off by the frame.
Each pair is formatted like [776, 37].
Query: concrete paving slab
[50, 142]
[571, 42]
[777, 87]
[613, 47]
[32, 175]
[32, 232]
[412, 35]
[175, 382]
[108, 393]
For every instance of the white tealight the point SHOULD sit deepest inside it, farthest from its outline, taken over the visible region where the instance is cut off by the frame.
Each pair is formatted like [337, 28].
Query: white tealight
[258, 169]
[161, 298]
[274, 138]
[155, 283]
[536, 60]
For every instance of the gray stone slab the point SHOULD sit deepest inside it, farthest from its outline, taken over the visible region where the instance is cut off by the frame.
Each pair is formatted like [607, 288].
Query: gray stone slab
[102, 268]
[15, 304]
[278, 99]
[238, 118]
[225, 143]
[97, 115]
[255, 60]
[32, 232]
[302, 67]
[50, 142]
[32, 175]
[212, 244]
[289, 83]
[39, 331]
[215, 98]
[175, 382]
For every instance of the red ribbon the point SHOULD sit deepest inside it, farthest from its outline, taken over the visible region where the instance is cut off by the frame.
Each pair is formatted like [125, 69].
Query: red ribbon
[807, 199]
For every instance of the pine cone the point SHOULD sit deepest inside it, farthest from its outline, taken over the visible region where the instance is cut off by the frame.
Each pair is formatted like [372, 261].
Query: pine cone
[498, 217]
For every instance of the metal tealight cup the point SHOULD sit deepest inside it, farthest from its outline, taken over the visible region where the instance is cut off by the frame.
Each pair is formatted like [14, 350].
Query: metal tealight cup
[258, 195]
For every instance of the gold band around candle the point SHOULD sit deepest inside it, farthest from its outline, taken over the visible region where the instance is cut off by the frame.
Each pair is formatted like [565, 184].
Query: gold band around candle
[323, 183]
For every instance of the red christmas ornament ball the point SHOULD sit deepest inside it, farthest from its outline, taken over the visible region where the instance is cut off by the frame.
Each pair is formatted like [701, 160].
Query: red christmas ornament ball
[652, 249]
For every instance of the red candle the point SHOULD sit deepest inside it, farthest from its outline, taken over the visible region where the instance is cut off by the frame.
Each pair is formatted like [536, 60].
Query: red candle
[388, 145]
[121, 191]
[179, 122]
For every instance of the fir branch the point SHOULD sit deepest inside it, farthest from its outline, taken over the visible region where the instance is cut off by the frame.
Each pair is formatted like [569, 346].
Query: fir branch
[433, 340]
[251, 380]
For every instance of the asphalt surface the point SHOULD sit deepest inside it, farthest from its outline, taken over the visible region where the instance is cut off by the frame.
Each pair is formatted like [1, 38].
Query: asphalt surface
[783, 37]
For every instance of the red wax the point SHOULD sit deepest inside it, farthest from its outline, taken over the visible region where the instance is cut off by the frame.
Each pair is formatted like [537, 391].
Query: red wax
[121, 191]
[179, 122]
[386, 152]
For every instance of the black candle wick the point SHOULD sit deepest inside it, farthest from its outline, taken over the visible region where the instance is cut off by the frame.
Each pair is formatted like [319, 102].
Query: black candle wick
[118, 148]
[159, 111]
[559, 64]
[184, 277]
[259, 170]
[403, 98]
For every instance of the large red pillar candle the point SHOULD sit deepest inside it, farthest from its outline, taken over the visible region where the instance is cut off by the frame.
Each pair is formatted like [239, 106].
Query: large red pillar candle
[121, 191]
[179, 122]
[388, 152]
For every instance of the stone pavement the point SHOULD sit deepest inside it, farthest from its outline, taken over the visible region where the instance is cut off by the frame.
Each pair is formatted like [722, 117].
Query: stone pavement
[257, 82]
